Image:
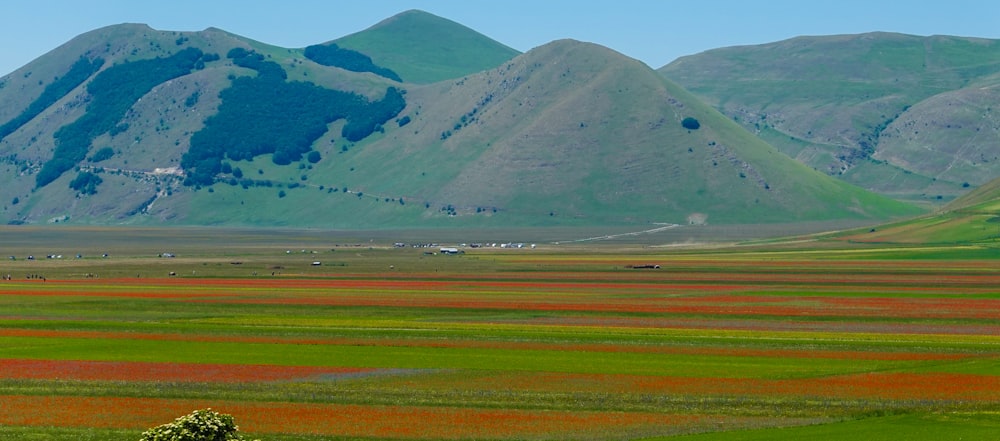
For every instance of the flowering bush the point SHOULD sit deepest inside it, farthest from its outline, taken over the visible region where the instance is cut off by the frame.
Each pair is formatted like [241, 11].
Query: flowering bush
[200, 425]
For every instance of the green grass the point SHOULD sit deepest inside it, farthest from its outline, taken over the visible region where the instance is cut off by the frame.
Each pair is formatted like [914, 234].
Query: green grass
[928, 426]
[67, 434]
[432, 358]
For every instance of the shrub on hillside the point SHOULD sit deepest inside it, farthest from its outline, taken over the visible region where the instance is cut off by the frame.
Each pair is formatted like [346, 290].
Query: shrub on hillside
[200, 425]
[690, 123]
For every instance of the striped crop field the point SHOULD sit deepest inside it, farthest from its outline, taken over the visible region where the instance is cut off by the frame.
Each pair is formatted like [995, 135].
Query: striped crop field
[394, 344]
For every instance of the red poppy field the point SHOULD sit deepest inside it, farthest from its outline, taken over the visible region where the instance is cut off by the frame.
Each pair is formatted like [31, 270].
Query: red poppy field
[393, 344]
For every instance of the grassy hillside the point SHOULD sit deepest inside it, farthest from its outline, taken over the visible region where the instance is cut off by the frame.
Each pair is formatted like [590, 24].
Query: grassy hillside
[973, 219]
[984, 194]
[424, 48]
[975, 225]
[903, 115]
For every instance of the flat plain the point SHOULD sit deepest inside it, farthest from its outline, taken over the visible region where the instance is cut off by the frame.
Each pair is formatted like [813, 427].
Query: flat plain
[318, 335]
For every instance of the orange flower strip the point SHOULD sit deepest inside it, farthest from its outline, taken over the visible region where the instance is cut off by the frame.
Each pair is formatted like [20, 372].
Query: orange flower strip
[180, 372]
[343, 420]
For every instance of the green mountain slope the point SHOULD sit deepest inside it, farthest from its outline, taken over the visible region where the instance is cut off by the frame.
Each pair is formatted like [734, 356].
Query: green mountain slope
[147, 136]
[903, 115]
[250, 134]
[424, 48]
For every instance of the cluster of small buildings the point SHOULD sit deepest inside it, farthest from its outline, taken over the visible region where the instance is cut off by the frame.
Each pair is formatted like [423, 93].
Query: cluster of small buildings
[515, 245]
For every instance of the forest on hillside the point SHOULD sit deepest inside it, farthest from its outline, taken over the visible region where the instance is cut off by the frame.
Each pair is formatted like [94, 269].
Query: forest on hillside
[335, 56]
[265, 114]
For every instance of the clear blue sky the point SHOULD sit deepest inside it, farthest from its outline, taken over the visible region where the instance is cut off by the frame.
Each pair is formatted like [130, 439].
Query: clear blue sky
[653, 31]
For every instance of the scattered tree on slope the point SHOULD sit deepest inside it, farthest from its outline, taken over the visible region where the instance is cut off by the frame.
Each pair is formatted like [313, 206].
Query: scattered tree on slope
[86, 183]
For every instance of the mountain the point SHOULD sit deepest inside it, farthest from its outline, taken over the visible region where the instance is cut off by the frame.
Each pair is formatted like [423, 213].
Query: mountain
[424, 48]
[127, 124]
[126, 127]
[575, 132]
[906, 116]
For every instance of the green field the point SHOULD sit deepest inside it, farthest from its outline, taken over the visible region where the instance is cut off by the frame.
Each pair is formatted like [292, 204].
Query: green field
[583, 340]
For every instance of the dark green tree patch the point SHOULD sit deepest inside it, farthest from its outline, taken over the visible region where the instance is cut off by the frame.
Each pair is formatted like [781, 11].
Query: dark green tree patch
[266, 114]
[86, 183]
[354, 61]
[368, 118]
[192, 99]
[281, 157]
[690, 123]
[103, 154]
[313, 157]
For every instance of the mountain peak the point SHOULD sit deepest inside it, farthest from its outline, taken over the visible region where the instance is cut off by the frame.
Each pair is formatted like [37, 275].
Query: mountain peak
[410, 14]
[424, 48]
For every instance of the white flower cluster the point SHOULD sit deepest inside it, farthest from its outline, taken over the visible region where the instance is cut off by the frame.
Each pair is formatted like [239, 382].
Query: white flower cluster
[200, 425]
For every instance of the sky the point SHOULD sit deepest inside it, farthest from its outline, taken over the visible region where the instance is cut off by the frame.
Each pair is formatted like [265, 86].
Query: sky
[653, 31]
